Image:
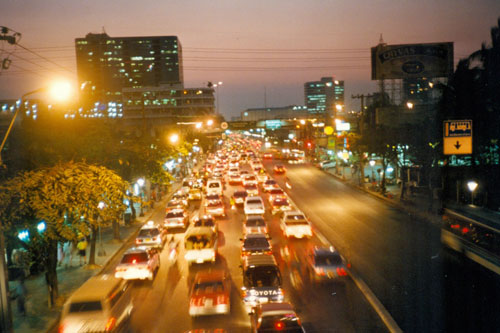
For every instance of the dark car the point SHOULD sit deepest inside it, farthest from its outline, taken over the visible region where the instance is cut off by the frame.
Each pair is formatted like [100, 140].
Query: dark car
[326, 263]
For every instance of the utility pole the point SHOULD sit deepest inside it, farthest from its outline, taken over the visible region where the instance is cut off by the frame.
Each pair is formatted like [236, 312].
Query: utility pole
[362, 98]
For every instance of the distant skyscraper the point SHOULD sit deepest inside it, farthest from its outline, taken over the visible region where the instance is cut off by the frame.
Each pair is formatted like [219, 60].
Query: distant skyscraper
[322, 96]
[106, 65]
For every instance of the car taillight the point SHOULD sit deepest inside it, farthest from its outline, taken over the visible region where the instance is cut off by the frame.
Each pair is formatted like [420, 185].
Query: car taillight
[269, 252]
[341, 271]
[221, 299]
[320, 271]
[110, 324]
[279, 326]
[61, 328]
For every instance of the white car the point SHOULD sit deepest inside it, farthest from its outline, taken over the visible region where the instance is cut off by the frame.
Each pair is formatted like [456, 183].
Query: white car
[138, 264]
[269, 185]
[262, 177]
[214, 186]
[295, 224]
[176, 218]
[254, 206]
[327, 164]
[249, 179]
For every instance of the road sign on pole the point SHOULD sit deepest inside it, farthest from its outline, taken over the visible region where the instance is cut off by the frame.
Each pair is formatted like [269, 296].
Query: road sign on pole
[457, 137]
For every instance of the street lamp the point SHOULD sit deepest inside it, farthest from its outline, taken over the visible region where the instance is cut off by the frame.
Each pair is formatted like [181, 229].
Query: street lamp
[5, 311]
[216, 85]
[140, 183]
[372, 164]
[174, 138]
[409, 105]
[210, 122]
[101, 252]
[472, 185]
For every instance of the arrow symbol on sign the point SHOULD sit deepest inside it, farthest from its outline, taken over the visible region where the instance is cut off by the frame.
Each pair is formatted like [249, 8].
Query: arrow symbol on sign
[457, 145]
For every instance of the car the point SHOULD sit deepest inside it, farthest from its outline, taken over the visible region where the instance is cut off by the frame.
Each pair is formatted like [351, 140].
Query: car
[214, 186]
[210, 294]
[269, 185]
[102, 304]
[234, 179]
[262, 177]
[254, 224]
[206, 221]
[249, 179]
[175, 204]
[215, 208]
[280, 205]
[262, 281]
[138, 264]
[328, 164]
[200, 245]
[176, 218]
[239, 196]
[233, 171]
[251, 189]
[295, 223]
[255, 243]
[276, 317]
[267, 156]
[150, 235]
[326, 263]
[275, 193]
[279, 169]
[181, 196]
[253, 206]
[194, 194]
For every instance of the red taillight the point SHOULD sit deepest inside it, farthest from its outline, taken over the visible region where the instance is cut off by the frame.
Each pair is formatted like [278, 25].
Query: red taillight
[110, 324]
[341, 271]
[61, 328]
[279, 326]
[134, 261]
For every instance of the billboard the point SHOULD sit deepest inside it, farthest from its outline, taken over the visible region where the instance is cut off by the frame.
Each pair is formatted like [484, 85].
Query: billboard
[407, 61]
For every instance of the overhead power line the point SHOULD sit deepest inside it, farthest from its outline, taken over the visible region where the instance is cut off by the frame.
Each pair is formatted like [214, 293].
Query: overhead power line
[46, 59]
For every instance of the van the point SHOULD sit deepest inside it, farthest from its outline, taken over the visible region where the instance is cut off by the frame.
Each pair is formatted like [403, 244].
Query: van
[102, 304]
[214, 186]
[262, 281]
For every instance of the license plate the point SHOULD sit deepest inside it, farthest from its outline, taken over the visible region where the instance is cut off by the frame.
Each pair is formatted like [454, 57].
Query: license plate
[148, 239]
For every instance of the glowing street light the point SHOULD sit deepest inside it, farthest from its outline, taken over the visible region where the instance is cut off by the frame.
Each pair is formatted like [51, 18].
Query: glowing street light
[302, 121]
[60, 90]
[174, 138]
[198, 125]
[210, 122]
[409, 105]
[472, 185]
[140, 182]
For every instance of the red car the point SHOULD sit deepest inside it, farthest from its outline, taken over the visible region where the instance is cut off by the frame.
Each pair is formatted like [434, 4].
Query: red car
[279, 169]
[210, 294]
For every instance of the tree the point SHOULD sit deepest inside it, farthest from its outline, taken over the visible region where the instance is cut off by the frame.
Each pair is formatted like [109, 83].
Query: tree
[67, 198]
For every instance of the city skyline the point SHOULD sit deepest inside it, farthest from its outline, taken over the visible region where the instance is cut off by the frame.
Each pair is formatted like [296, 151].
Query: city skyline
[251, 47]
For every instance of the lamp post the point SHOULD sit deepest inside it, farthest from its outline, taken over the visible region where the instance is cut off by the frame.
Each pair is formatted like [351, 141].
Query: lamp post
[101, 252]
[58, 91]
[472, 186]
[140, 183]
[372, 164]
[217, 85]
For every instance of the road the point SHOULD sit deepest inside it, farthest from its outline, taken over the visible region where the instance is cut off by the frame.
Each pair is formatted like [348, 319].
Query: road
[162, 305]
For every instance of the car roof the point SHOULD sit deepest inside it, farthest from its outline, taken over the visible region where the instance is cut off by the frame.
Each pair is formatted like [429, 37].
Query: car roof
[95, 288]
[211, 275]
[256, 235]
[260, 260]
[325, 250]
[200, 231]
[135, 250]
[278, 308]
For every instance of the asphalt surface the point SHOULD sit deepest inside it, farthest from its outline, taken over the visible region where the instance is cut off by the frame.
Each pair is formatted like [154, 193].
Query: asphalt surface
[162, 305]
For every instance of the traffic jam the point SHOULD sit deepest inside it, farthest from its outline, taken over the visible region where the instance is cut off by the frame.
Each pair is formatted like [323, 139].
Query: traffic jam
[276, 239]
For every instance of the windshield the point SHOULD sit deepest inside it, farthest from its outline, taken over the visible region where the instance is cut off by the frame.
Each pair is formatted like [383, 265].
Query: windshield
[256, 242]
[328, 259]
[254, 201]
[255, 223]
[149, 232]
[295, 217]
[85, 306]
[132, 258]
[175, 214]
[240, 194]
[263, 276]
[208, 287]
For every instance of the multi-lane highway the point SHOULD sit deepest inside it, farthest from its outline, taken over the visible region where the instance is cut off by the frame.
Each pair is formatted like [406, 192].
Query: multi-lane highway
[162, 305]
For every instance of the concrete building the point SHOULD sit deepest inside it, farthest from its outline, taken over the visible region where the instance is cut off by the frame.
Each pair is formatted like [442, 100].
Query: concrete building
[321, 97]
[285, 112]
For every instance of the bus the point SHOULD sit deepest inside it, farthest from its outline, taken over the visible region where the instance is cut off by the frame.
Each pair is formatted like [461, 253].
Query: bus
[297, 157]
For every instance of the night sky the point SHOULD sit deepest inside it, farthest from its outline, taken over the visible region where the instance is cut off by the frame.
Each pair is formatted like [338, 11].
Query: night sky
[252, 46]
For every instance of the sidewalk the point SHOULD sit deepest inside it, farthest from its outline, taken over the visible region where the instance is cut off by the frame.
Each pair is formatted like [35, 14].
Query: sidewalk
[39, 317]
[417, 203]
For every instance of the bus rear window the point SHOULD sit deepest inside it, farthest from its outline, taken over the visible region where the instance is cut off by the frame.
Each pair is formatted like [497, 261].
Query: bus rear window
[85, 306]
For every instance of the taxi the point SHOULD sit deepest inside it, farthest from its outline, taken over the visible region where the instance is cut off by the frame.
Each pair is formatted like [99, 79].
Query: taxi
[251, 189]
[176, 218]
[269, 185]
[255, 243]
[279, 169]
[206, 221]
[276, 193]
[280, 205]
[215, 207]
[295, 224]
[255, 224]
[138, 264]
[210, 294]
[239, 197]
[150, 235]
[276, 317]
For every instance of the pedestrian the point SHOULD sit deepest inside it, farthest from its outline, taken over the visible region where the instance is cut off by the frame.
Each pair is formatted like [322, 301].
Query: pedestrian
[68, 249]
[82, 250]
[21, 292]
[60, 253]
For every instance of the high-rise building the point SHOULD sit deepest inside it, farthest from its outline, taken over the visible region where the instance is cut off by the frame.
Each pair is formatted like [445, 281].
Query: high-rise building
[106, 65]
[322, 97]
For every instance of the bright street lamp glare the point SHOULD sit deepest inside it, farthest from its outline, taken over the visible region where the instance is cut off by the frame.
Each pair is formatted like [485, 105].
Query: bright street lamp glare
[60, 90]
[210, 122]
[174, 138]
[140, 182]
[302, 121]
[472, 185]
[409, 105]
[198, 125]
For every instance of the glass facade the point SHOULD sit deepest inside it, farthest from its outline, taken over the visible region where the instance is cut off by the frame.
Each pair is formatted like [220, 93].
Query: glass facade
[322, 96]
